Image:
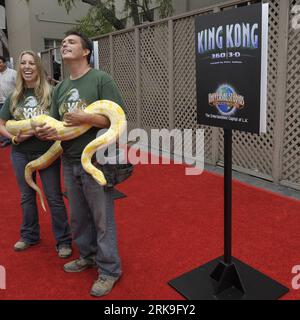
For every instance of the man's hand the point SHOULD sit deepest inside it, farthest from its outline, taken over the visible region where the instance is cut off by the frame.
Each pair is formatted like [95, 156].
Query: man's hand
[45, 132]
[75, 118]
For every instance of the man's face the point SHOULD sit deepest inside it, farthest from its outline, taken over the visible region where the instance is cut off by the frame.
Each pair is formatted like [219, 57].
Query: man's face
[71, 49]
[2, 66]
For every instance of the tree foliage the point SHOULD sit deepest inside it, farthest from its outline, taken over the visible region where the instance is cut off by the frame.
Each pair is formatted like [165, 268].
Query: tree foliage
[102, 17]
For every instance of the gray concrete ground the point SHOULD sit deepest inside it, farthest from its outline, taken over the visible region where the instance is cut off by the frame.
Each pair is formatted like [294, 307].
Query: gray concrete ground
[257, 182]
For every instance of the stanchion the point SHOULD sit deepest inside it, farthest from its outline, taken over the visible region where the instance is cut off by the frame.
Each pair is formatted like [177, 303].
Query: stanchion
[227, 278]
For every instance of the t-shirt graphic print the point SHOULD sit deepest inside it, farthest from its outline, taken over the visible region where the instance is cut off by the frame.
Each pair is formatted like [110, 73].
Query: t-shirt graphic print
[28, 108]
[72, 102]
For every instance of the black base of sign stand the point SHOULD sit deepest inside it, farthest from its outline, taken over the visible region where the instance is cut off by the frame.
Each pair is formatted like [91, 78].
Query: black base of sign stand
[238, 281]
[227, 278]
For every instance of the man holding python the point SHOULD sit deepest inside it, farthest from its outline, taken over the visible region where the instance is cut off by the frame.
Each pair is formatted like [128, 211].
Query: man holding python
[92, 207]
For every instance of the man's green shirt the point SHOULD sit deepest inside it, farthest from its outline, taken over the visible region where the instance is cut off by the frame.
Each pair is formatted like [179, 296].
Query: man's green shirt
[71, 95]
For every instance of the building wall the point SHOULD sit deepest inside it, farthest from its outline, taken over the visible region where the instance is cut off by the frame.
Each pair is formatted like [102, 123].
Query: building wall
[196, 4]
[18, 26]
[181, 6]
[2, 26]
[40, 19]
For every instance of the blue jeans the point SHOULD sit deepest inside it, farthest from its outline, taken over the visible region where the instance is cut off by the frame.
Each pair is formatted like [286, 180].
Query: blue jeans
[92, 219]
[50, 177]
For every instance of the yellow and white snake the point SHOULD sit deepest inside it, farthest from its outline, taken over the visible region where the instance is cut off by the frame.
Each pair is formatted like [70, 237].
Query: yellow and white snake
[107, 108]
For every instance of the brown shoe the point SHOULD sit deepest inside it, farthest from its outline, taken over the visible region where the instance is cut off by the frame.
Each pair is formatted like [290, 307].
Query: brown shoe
[79, 265]
[103, 286]
[64, 251]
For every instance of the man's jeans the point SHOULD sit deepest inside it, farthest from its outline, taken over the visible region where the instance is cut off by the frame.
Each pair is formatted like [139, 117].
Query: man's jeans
[50, 177]
[92, 219]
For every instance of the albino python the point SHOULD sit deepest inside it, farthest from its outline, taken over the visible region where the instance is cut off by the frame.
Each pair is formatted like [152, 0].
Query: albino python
[103, 107]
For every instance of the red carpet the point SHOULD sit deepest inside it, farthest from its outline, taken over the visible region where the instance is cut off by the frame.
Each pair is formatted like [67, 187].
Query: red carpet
[169, 224]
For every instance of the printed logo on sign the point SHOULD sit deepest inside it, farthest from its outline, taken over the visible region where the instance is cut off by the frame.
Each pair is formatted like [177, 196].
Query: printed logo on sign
[296, 279]
[2, 278]
[226, 100]
[239, 35]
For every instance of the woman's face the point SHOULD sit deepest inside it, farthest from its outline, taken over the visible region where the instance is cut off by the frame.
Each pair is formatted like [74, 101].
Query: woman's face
[28, 70]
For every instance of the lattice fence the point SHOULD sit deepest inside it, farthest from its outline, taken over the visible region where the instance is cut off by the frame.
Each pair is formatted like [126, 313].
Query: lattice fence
[154, 67]
[250, 151]
[154, 76]
[124, 72]
[291, 142]
[104, 55]
[185, 104]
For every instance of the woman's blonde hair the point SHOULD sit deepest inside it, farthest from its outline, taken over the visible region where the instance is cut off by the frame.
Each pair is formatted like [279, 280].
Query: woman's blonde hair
[42, 88]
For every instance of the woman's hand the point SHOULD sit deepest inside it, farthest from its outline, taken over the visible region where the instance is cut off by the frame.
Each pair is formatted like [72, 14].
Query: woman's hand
[20, 137]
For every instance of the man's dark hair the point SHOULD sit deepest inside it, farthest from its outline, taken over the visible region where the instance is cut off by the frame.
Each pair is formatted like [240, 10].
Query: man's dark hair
[85, 41]
[3, 59]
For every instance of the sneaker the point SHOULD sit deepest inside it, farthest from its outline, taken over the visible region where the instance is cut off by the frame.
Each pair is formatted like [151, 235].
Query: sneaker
[64, 251]
[103, 286]
[21, 245]
[79, 265]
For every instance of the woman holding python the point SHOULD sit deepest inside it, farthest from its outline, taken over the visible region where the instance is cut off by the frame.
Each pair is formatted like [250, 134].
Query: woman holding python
[32, 97]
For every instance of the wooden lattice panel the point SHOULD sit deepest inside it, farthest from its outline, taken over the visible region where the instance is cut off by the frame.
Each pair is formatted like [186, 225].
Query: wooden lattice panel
[125, 71]
[154, 76]
[104, 54]
[291, 149]
[185, 102]
[250, 151]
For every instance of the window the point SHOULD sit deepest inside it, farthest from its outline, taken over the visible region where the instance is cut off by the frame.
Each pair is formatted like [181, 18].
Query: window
[53, 43]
